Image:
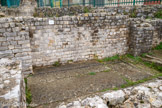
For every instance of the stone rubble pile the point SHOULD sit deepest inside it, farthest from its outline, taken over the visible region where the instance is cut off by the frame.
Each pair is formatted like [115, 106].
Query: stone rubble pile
[147, 95]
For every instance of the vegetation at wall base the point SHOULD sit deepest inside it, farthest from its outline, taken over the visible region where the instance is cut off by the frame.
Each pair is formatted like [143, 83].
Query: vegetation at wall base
[130, 83]
[28, 92]
[158, 47]
[57, 64]
[116, 57]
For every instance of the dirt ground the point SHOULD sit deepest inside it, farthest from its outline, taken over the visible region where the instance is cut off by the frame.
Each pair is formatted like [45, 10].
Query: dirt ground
[51, 85]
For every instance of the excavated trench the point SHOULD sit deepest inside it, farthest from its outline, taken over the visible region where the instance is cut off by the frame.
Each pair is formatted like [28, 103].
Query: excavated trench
[51, 85]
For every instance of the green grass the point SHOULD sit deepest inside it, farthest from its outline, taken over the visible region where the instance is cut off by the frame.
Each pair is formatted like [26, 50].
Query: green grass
[138, 59]
[116, 57]
[115, 88]
[28, 92]
[133, 14]
[92, 73]
[154, 66]
[158, 47]
[148, 17]
[108, 70]
[56, 64]
[144, 54]
[158, 14]
[86, 10]
[130, 83]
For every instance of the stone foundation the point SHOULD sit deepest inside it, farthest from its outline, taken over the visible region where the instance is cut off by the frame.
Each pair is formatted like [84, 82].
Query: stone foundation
[12, 87]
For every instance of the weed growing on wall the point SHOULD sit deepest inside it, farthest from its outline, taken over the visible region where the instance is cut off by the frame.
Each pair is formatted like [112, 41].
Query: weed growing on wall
[158, 14]
[86, 10]
[133, 14]
[57, 15]
[35, 14]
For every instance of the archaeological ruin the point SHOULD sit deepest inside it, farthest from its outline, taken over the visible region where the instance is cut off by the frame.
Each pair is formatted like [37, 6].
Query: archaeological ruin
[33, 37]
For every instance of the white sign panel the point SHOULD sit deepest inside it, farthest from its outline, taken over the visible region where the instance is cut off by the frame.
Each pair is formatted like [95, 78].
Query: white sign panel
[51, 21]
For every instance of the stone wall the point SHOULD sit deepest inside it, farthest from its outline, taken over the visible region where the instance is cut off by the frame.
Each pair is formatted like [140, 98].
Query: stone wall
[157, 36]
[78, 38]
[15, 42]
[26, 8]
[12, 86]
[145, 34]
[141, 37]
[10, 11]
[44, 41]
[50, 12]
[146, 11]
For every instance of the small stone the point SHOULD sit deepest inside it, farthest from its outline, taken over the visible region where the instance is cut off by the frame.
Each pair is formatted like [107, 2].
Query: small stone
[7, 81]
[76, 103]
[62, 106]
[114, 98]
[1, 85]
[145, 105]
[160, 88]
[2, 14]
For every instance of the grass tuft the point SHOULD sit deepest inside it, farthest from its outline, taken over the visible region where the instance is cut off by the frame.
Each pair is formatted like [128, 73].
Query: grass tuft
[56, 64]
[154, 66]
[28, 92]
[116, 57]
[131, 83]
[86, 10]
[158, 14]
[92, 73]
[108, 70]
[158, 47]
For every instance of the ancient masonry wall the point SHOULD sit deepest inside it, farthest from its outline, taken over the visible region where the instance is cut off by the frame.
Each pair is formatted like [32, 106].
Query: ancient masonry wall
[15, 42]
[141, 38]
[12, 86]
[44, 41]
[144, 35]
[157, 34]
[146, 11]
[78, 38]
